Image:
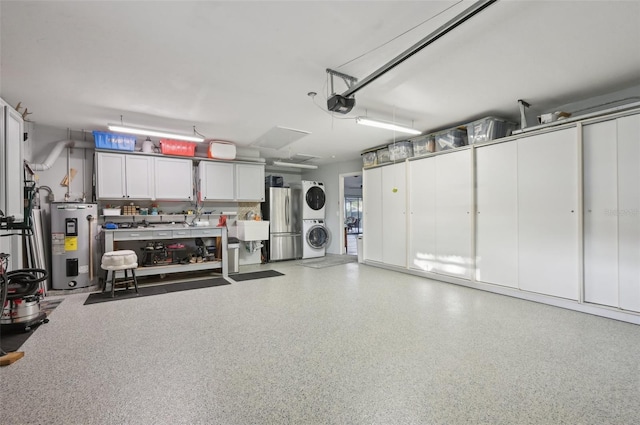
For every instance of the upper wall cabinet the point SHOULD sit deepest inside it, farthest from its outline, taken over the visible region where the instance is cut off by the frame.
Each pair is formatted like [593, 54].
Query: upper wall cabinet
[137, 176]
[124, 176]
[217, 181]
[249, 182]
[173, 179]
[227, 181]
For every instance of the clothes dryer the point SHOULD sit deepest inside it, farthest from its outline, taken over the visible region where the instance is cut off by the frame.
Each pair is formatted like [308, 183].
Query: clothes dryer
[313, 200]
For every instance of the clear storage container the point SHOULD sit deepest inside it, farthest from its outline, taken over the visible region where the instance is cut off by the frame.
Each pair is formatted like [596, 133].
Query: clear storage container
[400, 150]
[369, 159]
[424, 145]
[383, 155]
[489, 128]
[451, 138]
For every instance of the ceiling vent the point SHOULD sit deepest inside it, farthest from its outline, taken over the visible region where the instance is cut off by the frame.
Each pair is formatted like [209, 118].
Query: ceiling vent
[279, 137]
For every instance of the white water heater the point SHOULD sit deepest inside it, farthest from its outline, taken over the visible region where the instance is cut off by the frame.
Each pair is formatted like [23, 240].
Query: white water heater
[73, 232]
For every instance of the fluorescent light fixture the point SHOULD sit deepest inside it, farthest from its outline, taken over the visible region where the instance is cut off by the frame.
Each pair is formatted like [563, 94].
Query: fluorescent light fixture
[387, 125]
[153, 133]
[295, 165]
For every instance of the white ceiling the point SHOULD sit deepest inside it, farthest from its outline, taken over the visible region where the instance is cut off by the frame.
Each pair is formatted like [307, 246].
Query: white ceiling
[236, 69]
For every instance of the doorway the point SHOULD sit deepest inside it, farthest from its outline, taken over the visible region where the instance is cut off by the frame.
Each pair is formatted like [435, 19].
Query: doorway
[350, 211]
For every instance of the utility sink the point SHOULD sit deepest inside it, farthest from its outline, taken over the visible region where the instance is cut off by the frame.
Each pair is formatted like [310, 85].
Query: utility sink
[253, 230]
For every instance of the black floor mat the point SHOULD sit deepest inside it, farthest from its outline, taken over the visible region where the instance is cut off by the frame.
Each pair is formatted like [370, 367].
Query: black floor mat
[12, 341]
[145, 291]
[255, 275]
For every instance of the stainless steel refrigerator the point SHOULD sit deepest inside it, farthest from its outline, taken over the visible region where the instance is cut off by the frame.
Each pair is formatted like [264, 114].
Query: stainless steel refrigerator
[282, 209]
[73, 245]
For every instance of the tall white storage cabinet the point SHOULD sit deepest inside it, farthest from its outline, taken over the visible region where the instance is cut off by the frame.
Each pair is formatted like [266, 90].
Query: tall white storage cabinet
[453, 213]
[600, 159]
[11, 152]
[612, 213]
[11, 177]
[629, 211]
[394, 216]
[548, 234]
[372, 225]
[422, 217]
[440, 214]
[497, 214]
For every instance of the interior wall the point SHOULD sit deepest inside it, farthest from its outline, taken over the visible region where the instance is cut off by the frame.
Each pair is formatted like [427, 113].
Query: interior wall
[330, 175]
[42, 141]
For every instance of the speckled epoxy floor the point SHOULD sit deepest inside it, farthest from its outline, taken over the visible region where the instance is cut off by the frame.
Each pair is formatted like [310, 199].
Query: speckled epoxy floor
[349, 344]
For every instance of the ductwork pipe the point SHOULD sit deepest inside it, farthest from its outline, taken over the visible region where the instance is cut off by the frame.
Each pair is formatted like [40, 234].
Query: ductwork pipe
[57, 150]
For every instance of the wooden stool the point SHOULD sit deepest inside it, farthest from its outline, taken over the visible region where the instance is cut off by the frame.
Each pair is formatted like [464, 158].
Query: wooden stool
[119, 260]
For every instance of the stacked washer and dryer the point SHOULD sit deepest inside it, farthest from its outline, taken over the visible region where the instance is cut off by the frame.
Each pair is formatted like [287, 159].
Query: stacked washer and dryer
[315, 235]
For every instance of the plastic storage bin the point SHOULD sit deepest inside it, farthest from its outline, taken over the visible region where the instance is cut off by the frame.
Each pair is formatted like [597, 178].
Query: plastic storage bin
[177, 147]
[369, 159]
[424, 145]
[400, 150]
[111, 211]
[115, 141]
[489, 128]
[452, 138]
[383, 155]
[221, 150]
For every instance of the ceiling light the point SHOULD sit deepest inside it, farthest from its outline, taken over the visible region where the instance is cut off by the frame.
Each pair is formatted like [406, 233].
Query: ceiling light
[155, 133]
[294, 165]
[387, 125]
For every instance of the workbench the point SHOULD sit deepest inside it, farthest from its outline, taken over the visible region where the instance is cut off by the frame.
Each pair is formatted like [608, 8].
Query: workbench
[165, 232]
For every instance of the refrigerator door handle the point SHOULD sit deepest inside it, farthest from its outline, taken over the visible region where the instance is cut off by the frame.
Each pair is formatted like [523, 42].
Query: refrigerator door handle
[286, 209]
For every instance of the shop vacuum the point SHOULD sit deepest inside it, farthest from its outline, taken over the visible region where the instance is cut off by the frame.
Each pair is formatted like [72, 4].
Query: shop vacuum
[21, 295]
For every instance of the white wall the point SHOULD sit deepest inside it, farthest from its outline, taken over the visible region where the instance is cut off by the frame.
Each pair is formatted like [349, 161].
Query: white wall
[42, 140]
[330, 175]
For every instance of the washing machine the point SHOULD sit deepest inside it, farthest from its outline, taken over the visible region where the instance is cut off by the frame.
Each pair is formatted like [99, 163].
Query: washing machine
[313, 200]
[315, 237]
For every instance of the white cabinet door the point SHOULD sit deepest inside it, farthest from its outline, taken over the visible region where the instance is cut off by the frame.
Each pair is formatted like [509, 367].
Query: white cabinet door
[394, 206]
[422, 218]
[497, 214]
[13, 164]
[600, 185]
[629, 211]
[173, 179]
[11, 177]
[372, 210]
[548, 214]
[110, 175]
[139, 175]
[217, 181]
[453, 213]
[250, 182]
